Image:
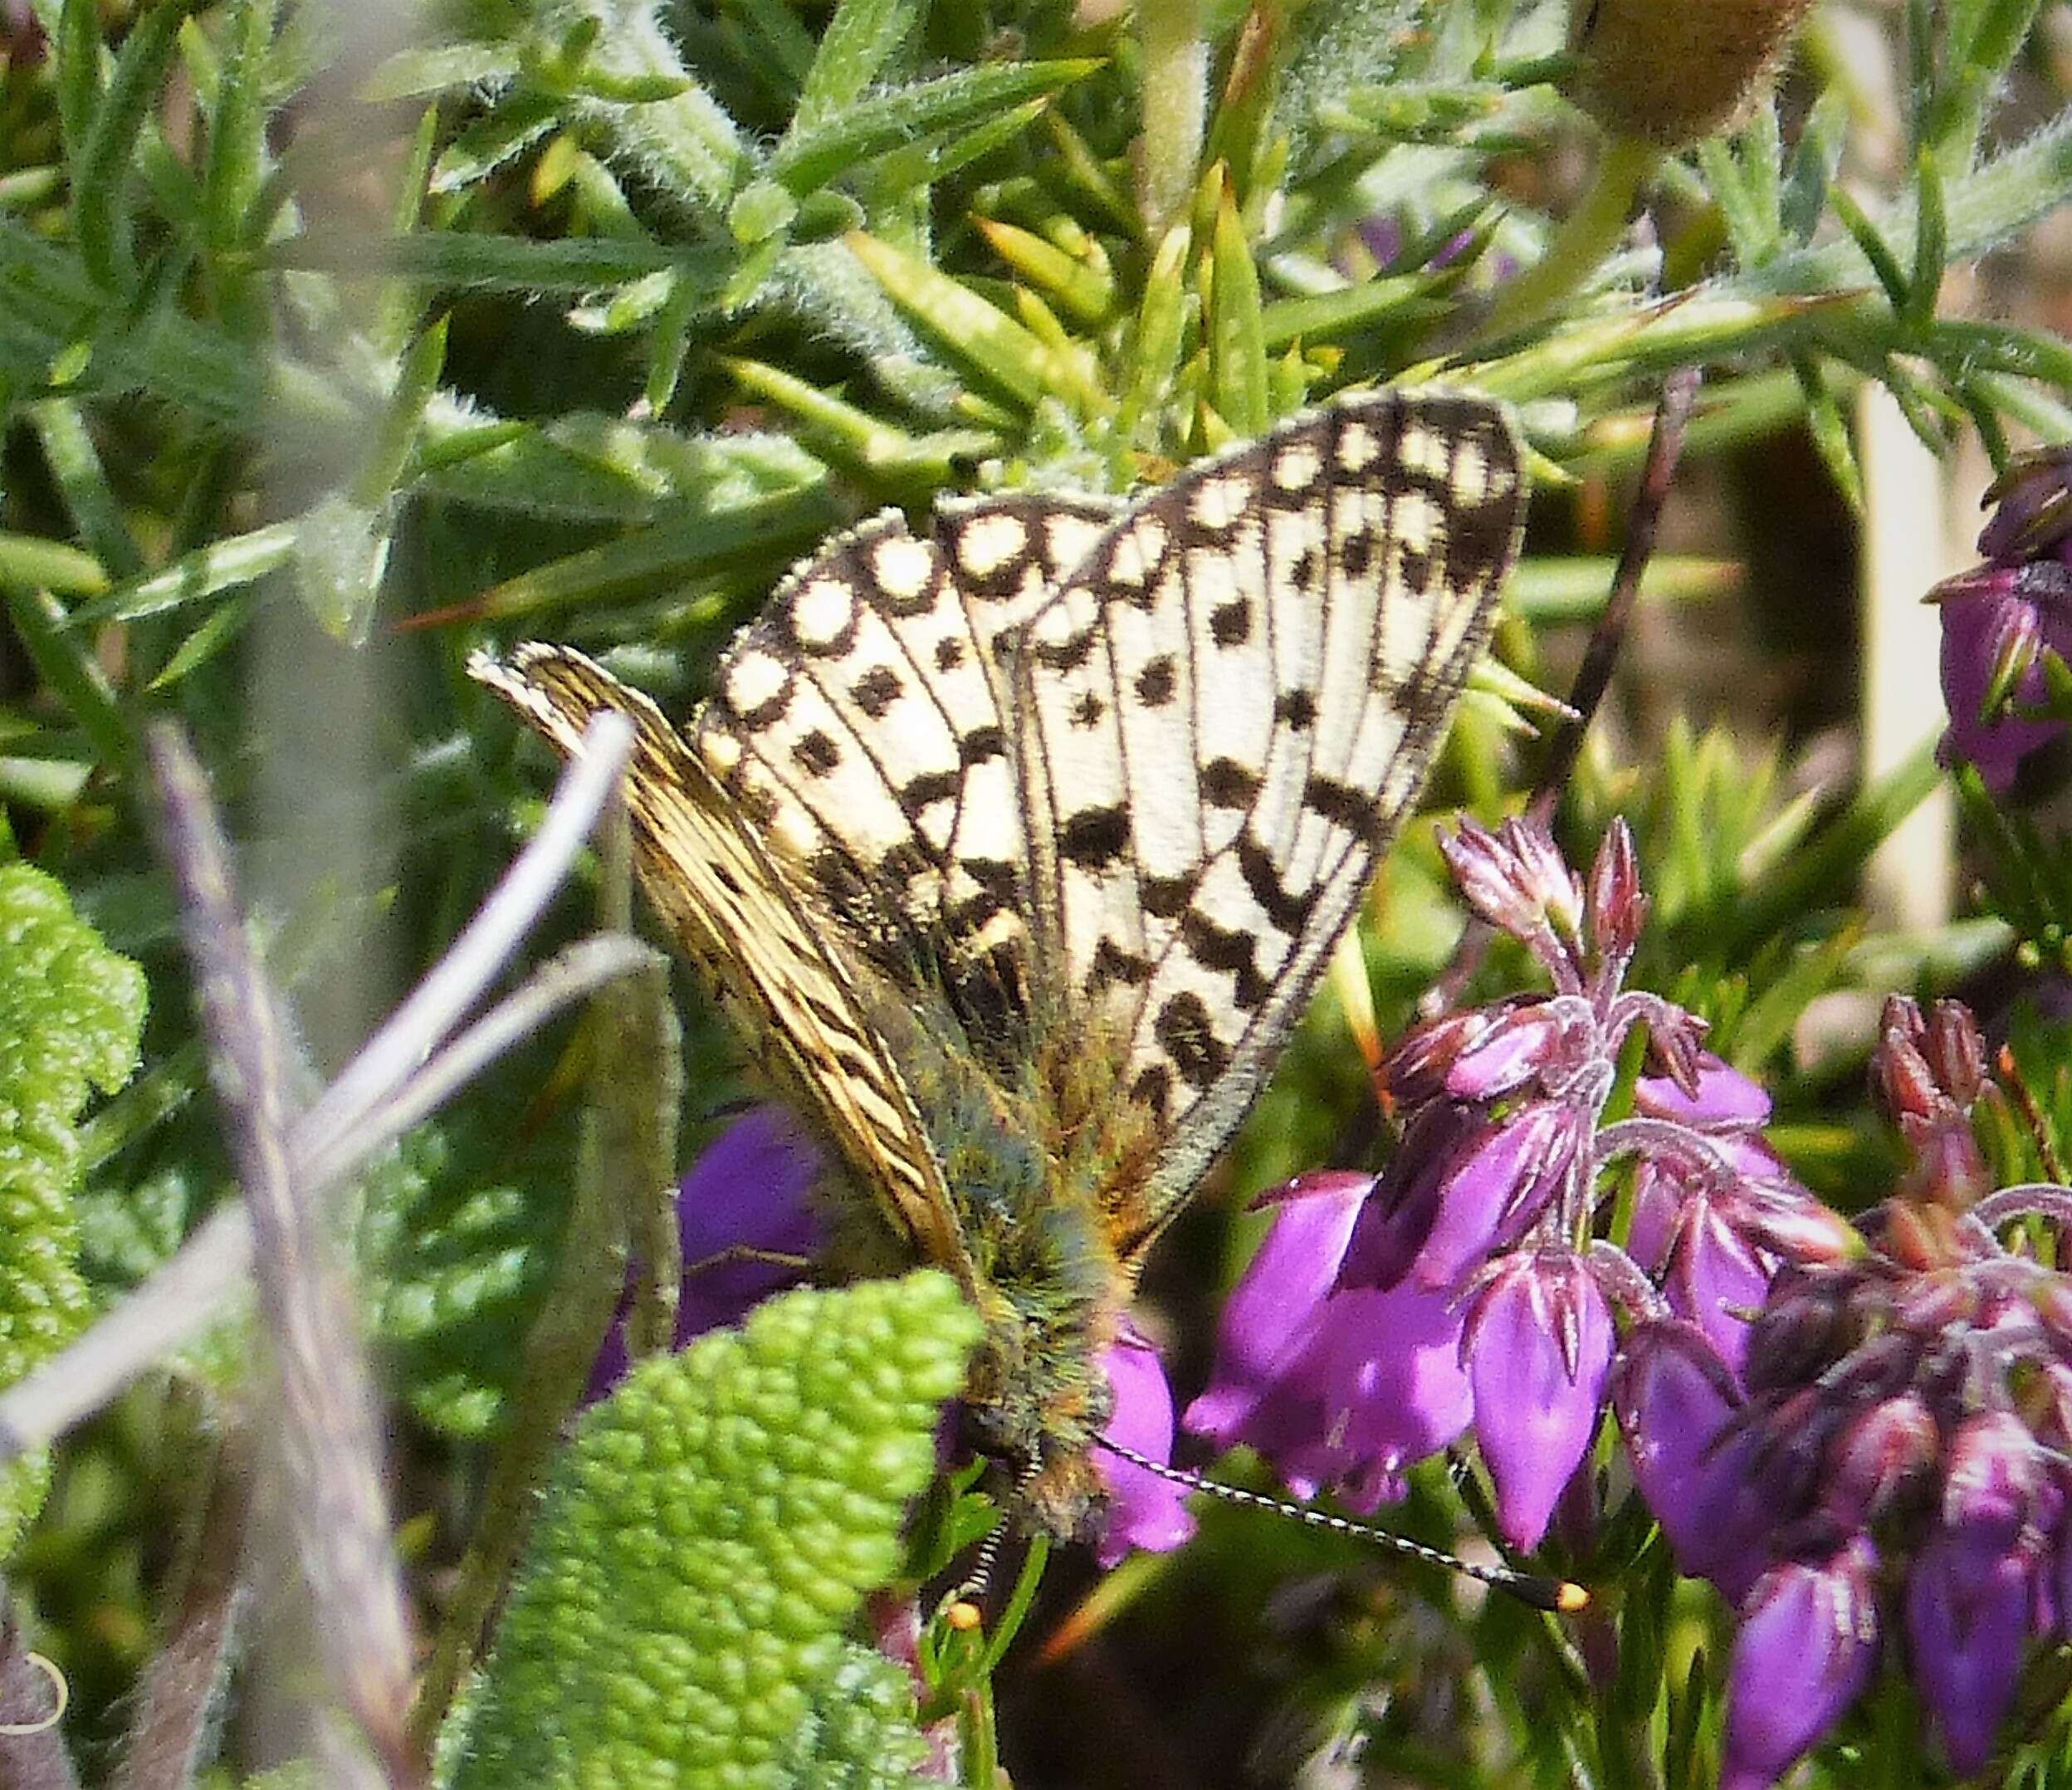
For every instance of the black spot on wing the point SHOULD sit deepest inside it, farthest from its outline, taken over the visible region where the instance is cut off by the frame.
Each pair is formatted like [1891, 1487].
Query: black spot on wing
[1227, 784]
[1345, 806]
[1230, 624]
[922, 792]
[1262, 874]
[1112, 964]
[1095, 837]
[1183, 1031]
[1157, 681]
[816, 753]
[981, 744]
[877, 690]
[1166, 897]
[1229, 953]
[1296, 710]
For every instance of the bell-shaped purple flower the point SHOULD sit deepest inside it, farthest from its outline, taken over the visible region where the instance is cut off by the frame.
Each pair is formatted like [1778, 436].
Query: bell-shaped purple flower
[1967, 1619]
[746, 1225]
[1337, 1387]
[1538, 1345]
[1144, 1510]
[1713, 1276]
[2000, 618]
[1805, 1650]
[1465, 1186]
[1725, 1099]
[1385, 1374]
[1677, 1406]
[1272, 1311]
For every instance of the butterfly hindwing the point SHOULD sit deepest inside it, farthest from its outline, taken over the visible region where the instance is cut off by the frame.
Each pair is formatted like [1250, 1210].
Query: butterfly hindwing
[1226, 713]
[741, 915]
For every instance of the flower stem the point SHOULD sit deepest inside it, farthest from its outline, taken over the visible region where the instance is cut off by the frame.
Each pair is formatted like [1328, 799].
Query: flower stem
[1580, 246]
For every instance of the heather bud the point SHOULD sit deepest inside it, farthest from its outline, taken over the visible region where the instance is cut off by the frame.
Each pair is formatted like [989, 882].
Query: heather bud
[1883, 1452]
[1957, 1051]
[2035, 496]
[1901, 1078]
[1514, 879]
[1415, 1071]
[1617, 909]
[1806, 1651]
[1669, 74]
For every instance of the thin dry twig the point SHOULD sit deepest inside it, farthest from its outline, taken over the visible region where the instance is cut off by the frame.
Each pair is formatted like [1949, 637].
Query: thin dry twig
[325, 1443]
[1593, 677]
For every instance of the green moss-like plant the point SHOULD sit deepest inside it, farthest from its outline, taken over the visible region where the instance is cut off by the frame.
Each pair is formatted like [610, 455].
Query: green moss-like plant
[70, 1013]
[706, 1539]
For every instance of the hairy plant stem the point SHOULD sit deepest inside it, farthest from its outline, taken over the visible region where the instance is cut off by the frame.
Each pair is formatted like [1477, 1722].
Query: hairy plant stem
[1590, 232]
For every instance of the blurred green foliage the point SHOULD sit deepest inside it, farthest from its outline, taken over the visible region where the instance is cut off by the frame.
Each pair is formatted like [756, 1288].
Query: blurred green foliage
[586, 317]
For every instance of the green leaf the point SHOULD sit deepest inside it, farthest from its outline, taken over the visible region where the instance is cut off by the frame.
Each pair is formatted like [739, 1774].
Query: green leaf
[1814, 160]
[428, 69]
[1344, 44]
[983, 337]
[807, 160]
[1082, 284]
[100, 217]
[71, 1011]
[705, 1540]
[858, 42]
[1236, 332]
[1161, 322]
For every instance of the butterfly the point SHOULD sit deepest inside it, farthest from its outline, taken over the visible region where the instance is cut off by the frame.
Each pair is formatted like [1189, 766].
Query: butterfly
[1016, 845]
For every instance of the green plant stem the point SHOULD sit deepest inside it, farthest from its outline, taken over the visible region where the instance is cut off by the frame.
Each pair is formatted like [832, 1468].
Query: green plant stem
[1175, 107]
[1579, 247]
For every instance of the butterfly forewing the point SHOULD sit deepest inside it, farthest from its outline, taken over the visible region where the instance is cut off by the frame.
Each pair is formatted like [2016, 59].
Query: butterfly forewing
[1226, 713]
[740, 914]
[858, 724]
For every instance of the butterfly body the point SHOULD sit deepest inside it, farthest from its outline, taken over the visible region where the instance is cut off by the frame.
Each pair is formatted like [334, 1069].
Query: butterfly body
[1017, 846]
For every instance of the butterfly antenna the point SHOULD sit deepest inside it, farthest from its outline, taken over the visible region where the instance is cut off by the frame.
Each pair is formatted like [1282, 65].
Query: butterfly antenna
[965, 1608]
[1563, 1596]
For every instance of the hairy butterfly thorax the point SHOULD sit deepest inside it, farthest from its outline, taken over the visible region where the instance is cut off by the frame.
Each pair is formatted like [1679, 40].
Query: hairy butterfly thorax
[1016, 846]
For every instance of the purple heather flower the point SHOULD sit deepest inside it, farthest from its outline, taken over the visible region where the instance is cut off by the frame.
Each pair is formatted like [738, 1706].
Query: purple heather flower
[748, 1192]
[1905, 1400]
[1144, 1511]
[1538, 1345]
[1339, 1387]
[1999, 619]
[1704, 1238]
[1805, 1650]
[1967, 1620]
[1676, 1401]
[1380, 1315]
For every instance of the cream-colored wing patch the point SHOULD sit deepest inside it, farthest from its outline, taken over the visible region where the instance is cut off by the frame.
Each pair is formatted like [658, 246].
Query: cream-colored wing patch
[857, 724]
